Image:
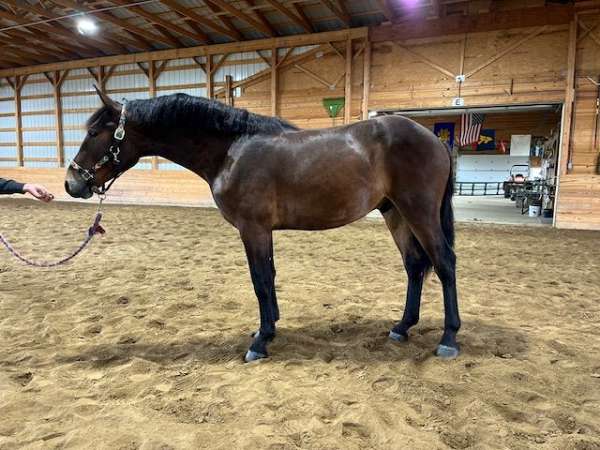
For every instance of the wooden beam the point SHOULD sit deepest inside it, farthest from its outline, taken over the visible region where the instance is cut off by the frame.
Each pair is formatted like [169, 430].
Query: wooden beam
[463, 51]
[192, 15]
[348, 83]
[56, 80]
[226, 21]
[314, 76]
[101, 75]
[457, 24]
[228, 89]
[264, 74]
[190, 52]
[507, 50]
[299, 20]
[366, 80]
[209, 77]
[220, 62]
[344, 18]
[239, 14]
[274, 96]
[426, 60]
[17, 86]
[287, 54]
[588, 32]
[252, 5]
[152, 78]
[168, 24]
[565, 151]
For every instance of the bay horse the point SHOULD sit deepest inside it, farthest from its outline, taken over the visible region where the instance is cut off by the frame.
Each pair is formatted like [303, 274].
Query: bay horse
[265, 174]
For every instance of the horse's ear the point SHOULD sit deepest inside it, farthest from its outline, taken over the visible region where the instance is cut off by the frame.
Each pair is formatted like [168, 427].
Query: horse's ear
[107, 101]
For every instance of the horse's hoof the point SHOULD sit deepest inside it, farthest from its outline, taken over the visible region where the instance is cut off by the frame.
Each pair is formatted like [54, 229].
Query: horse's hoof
[251, 355]
[398, 337]
[446, 352]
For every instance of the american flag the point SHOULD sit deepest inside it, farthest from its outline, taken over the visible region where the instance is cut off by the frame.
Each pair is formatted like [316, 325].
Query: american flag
[470, 128]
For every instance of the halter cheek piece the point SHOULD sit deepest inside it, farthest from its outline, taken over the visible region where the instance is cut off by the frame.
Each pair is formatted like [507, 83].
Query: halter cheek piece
[111, 155]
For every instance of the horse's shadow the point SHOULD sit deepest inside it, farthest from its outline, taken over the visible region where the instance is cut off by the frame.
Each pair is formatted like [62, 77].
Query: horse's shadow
[363, 340]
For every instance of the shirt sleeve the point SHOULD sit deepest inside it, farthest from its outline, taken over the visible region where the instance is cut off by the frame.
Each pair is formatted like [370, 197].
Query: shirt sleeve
[10, 187]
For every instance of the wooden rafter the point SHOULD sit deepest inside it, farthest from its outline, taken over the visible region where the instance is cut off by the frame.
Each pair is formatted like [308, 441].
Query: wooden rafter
[19, 51]
[141, 36]
[226, 21]
[239, 14]
[331, 6]
[41, 44]
[260, 16]
[8, 56]
[201, 20]
[297, 19]
[95, 42]
[167, 24]
[45, 33]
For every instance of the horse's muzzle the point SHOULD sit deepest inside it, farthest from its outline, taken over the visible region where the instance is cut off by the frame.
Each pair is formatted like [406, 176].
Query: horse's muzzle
[76, 186]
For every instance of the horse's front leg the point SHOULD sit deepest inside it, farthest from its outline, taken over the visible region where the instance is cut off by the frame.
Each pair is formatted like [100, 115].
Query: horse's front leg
[259, 250]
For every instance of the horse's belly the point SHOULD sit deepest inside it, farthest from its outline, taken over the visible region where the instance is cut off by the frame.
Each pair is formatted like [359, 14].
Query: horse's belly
[324, 206]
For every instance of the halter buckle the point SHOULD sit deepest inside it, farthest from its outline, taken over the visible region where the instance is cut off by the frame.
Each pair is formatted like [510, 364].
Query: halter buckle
[119, 133]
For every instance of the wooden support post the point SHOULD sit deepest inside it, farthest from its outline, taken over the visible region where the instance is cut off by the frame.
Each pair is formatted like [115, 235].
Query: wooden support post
[565, 151]
[366, 80]
[228, 88]
[56, 80]
[209, 77]
[274, 82]
[463, 50]
[17, 85]
[348, 83]
[152, 77]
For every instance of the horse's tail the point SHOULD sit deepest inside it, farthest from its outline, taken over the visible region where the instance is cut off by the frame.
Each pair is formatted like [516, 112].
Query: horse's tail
[446, 211]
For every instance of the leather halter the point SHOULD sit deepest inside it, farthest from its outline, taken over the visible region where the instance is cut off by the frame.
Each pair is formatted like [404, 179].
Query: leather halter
[111, 155]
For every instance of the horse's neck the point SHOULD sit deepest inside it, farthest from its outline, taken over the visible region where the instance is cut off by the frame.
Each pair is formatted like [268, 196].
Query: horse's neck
[203, 155]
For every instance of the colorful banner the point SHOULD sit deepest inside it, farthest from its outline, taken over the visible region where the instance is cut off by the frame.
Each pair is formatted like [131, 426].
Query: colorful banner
[487, 140]
[445, 132]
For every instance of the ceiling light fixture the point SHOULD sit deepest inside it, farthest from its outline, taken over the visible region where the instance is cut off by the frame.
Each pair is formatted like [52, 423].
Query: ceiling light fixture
[86, 26]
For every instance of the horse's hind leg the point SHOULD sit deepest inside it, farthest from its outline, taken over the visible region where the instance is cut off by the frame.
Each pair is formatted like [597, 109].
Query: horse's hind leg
[416, 264]
[426, 227]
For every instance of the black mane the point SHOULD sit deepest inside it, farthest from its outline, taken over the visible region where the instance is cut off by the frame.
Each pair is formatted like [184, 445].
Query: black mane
[186, 113]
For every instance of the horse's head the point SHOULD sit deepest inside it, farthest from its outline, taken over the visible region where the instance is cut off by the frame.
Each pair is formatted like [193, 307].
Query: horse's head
[105, 152]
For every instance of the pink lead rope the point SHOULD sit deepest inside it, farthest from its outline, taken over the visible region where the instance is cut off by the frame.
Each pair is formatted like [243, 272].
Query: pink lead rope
[96, 228]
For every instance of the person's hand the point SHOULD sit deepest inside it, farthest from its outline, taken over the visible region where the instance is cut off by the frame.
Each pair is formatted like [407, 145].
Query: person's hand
[39, 192]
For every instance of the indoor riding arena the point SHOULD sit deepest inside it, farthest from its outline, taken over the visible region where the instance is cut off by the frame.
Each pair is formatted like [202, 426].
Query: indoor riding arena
[221, 218]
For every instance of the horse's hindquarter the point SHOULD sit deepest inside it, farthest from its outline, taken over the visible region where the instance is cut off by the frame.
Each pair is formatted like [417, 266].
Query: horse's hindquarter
[305, 180]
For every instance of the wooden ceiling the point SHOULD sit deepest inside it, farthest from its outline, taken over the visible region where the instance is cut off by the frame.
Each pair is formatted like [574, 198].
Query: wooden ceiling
[41, 31]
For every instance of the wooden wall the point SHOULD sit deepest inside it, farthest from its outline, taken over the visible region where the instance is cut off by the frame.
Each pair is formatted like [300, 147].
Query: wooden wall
[579, 192]
[409, 68]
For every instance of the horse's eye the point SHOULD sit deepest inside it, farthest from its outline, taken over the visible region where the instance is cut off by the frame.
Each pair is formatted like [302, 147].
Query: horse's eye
[92, 133]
